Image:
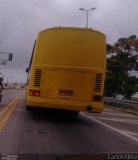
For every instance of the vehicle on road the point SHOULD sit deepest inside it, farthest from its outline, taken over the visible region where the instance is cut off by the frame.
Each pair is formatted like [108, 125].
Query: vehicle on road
[67, 70]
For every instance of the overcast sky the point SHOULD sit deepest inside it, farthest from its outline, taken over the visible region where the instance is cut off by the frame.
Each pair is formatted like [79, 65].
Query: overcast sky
[21, 20]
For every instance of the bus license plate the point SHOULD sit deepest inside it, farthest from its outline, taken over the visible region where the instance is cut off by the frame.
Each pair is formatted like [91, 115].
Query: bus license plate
[66, 92]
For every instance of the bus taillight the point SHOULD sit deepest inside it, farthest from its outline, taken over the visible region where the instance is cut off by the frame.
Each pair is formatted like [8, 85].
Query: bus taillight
[34, 92]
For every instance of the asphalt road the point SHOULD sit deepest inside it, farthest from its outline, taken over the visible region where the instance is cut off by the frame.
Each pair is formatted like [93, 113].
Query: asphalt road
[8, 95]
[46, 132]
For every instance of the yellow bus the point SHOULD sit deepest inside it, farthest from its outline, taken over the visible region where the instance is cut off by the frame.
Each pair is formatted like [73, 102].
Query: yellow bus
[67, 70]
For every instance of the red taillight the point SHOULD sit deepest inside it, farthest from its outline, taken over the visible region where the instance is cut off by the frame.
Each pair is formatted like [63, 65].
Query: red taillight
[34, 92]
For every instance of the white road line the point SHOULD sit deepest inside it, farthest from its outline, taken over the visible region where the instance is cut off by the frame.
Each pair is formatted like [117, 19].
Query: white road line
[118, 114]
[112, 128]
[119, 120]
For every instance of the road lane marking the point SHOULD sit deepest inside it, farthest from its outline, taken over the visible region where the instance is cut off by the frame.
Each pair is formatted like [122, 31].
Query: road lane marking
[111, 128]
[7, 111]
[119, 120]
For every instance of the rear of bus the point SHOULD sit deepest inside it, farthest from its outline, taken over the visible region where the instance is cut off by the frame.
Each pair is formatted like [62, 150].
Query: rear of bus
[67, 70]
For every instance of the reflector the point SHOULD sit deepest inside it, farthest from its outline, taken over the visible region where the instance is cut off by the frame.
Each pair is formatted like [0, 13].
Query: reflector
[34, 92]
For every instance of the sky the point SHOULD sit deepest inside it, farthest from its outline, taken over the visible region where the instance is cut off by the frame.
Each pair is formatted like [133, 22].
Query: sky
[21, 20]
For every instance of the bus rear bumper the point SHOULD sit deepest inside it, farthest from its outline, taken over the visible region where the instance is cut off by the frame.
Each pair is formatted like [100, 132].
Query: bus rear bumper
[65, 104]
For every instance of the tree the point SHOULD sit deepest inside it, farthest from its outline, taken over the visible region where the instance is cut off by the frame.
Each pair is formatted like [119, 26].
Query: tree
[122, 59]
[130, 87]
[108, 48]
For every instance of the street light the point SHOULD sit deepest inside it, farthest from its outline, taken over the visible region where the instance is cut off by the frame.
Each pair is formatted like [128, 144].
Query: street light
[87, 14]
